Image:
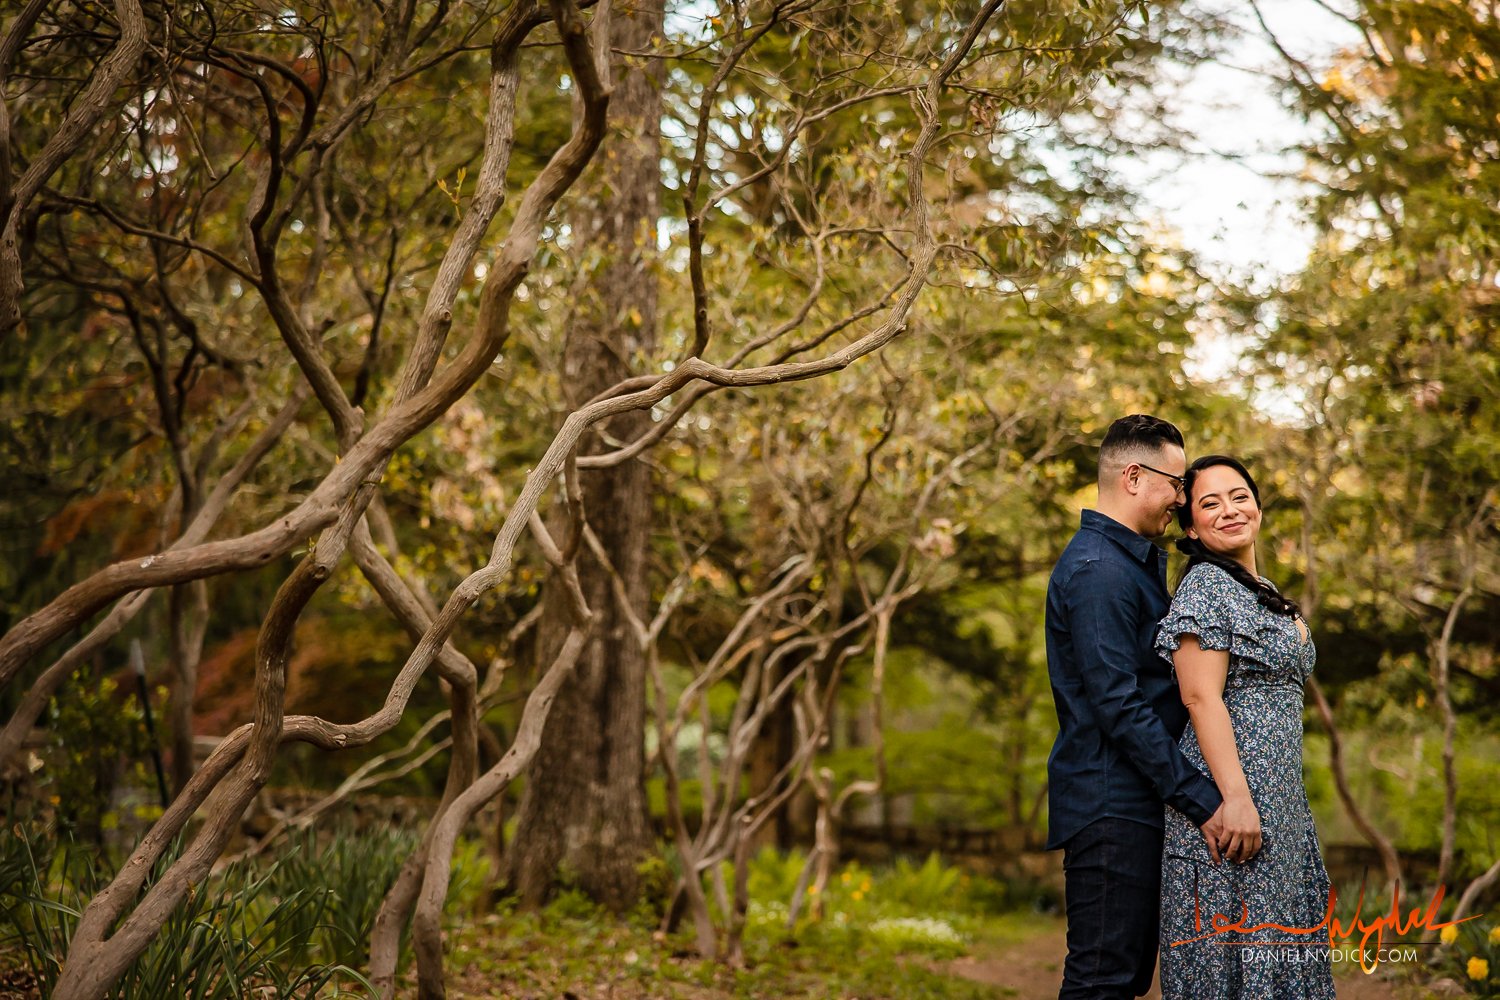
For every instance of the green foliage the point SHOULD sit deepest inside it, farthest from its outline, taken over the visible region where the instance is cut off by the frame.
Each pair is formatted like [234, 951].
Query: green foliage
[470, 878]
[355, 870]
[1470, 954]
[1391, 330]
[1417, 819]
[98, 741]
[246, 928]
[856, 895]
[573, 904]
[929, 887]
[656, 879]
[893, 942]
[919, 935]
[298, 923]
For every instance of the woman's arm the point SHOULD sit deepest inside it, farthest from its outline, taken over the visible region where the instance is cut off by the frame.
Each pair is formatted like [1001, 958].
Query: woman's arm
[1200, 679]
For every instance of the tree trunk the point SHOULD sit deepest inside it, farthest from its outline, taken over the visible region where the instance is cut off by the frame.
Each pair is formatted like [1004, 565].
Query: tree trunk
[188, 624]
[583, 817]
[773, 746]
[770, 751]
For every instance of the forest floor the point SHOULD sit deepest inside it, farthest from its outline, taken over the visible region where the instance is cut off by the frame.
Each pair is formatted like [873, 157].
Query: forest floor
[1018, 957]
[1031, 969]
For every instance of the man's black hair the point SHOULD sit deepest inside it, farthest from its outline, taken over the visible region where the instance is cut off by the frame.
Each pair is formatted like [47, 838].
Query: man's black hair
[1141, 430]
[1134, 438]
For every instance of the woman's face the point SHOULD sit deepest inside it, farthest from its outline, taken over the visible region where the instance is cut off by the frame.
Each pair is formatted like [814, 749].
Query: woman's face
[1225, 516]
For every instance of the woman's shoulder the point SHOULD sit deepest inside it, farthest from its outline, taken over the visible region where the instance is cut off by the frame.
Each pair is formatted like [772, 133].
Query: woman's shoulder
[1206, 577]
[1201, 607]
[1206, 583]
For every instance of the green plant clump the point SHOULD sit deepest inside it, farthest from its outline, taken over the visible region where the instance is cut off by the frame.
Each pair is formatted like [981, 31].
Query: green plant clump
[293, 927]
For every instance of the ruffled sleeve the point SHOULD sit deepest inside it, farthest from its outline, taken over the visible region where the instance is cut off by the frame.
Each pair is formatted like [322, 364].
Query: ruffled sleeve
[1202, 607]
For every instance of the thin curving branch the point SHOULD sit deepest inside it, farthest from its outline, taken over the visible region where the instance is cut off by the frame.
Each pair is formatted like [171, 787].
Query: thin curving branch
[77, 125]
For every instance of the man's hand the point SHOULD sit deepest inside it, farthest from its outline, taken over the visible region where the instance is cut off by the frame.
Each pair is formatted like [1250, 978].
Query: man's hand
[1213, 831]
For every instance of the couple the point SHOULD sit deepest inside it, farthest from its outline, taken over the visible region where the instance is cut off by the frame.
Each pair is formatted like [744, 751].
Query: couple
[1175, 785]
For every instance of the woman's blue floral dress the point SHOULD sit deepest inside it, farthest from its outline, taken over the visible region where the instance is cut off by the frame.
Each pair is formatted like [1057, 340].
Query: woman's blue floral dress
[1286, 883]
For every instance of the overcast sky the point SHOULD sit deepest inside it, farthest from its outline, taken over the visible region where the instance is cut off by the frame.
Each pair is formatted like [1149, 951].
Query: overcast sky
[1234, 212]
[1235, 202]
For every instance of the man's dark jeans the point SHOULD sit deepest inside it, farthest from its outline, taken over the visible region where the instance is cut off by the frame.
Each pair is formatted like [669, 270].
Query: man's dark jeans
[1112, 871]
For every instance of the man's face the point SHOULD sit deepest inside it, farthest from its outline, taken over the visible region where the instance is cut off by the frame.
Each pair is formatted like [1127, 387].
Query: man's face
[1160, 490]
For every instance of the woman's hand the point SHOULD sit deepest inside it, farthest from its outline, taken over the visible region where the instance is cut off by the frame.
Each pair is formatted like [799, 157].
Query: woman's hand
[1239, 838]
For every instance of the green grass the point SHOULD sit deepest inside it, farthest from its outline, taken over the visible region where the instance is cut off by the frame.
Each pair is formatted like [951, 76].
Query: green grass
[292, 926]
[887, 933]
[550, 954]
[299, 923]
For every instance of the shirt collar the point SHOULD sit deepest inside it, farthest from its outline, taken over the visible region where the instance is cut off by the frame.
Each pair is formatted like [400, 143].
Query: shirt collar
[1136, 544]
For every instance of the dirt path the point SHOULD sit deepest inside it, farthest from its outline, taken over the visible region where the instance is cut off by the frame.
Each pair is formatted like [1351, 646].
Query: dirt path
[1032, 970]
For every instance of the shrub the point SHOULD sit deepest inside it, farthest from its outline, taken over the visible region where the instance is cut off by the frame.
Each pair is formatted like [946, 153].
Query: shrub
[250, 927]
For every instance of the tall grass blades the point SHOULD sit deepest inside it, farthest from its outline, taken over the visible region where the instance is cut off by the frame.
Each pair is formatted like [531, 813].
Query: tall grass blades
[356, 870]
[33, 922]
[272, 929]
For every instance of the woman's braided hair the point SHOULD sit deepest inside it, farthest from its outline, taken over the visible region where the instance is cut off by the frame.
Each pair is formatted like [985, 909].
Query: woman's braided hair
[1197, 552]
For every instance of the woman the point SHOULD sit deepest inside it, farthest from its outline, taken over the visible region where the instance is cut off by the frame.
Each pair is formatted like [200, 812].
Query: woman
[1241, 653]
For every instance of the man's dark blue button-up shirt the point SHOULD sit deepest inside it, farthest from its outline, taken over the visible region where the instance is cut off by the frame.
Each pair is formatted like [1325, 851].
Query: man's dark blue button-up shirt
[1119, 715]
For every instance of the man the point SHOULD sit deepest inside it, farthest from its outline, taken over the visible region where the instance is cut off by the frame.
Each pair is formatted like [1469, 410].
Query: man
[1119, 717]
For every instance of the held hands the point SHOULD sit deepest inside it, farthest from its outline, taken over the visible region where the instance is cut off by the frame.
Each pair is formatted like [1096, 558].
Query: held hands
[1233, 831]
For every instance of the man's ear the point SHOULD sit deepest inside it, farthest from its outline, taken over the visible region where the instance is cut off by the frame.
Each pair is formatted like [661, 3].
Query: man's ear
[1130, 479]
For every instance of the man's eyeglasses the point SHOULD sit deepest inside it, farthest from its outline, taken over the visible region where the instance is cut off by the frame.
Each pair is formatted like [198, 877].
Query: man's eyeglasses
[1178, 482]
